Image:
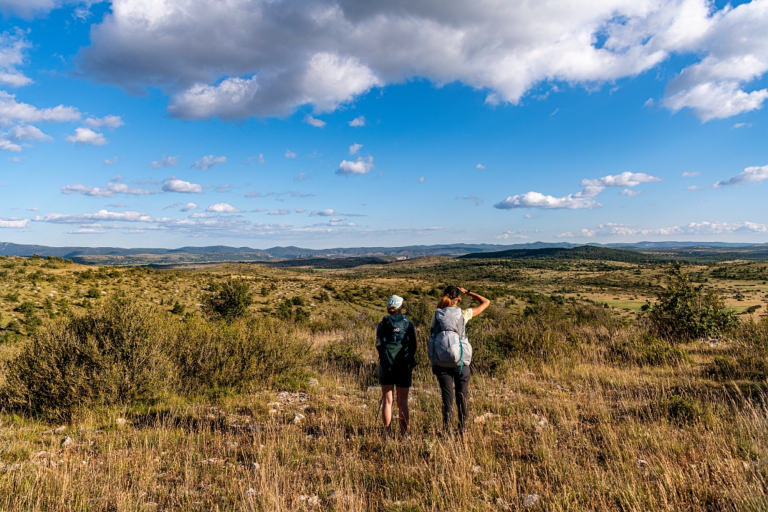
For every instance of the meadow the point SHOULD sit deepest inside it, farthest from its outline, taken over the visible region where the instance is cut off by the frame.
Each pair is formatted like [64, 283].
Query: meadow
[597, 385]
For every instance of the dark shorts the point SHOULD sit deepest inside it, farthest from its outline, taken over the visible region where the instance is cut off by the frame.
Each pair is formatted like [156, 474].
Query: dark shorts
[400, 377]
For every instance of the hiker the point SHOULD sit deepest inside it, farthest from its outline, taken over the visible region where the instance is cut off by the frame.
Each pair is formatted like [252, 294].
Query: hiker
[396, 344]
[450, 352]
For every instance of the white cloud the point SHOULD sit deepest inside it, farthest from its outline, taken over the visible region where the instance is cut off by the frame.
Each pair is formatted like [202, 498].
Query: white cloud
[538, 200]
[12, 111]
[630, 193]
[7, 145]
[328, 212]
[12, 48]
[110, 161]
[359, 166]
[690, 174]
[257, 158]
[279, 212]
[189, 207]
[421, 179]
[734, 46]
[354, 148]
[313, 121]
[84, 135]
[28, 132]
[290, 154]
[209, 161]
[101, 215]
[699, 228]
[106, 121]
[749, 175]
[222, 208]
[26, 8]
[13, 223]
[512, 234]
[736, 126]
[109, 191]
[591, 188]
[174, 184]
[166, 161]
[332, 51]
[479, 167]
[357, 122]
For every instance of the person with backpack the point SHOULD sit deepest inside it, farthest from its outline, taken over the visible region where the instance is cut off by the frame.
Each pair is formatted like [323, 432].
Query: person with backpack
[450, 352]
[396, 345]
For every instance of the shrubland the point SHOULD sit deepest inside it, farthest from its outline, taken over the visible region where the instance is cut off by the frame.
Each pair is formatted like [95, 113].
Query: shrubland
[248, 388]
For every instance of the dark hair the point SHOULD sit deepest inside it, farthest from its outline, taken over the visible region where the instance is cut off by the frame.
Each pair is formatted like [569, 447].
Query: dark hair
[449, 295]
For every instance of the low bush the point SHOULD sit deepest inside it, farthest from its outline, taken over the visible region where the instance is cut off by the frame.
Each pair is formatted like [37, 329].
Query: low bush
[749, 367]
[228, 300]
[246, 354]
[113, 355]
[684, 311]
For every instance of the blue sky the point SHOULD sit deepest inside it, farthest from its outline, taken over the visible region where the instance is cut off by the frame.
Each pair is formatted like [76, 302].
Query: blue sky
[164, 123]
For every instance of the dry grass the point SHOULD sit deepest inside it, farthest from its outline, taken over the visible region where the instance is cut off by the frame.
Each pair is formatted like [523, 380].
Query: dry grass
[578, 431]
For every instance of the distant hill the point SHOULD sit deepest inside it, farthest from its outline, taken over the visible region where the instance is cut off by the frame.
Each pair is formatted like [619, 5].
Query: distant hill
[584, 252]
[641, 252]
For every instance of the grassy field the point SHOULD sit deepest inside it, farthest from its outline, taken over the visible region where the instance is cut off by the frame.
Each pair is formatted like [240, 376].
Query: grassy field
[575, 403]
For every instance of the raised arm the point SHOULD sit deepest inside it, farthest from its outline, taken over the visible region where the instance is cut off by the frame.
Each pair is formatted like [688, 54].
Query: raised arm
[484, 303]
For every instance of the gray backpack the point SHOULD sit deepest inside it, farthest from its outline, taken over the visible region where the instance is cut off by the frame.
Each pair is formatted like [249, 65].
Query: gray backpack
[448, 344]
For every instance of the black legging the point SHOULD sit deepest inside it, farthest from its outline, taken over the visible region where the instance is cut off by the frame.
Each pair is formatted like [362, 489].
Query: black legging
[452, 381]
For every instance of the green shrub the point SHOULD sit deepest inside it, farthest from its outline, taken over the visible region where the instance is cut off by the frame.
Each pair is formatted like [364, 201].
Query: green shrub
[245, 354]
[681, 410]
[228, 300]
[685, 312]
[112, 355]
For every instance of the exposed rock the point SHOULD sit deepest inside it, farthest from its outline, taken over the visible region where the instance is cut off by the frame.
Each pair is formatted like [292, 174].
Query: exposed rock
[66, 442]
[530, 500]
[298, 418]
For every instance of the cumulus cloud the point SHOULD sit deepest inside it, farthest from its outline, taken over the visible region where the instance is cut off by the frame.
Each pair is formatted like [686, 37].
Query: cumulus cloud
[584, 199]
[209, 161]
[101, 215]
[7, 145]
[357, 122]
[354, 148]
[690, 174]
[166, 161]
[84, 135]
[222, 208]
[279, 212]
[696, 228]
[479, 167]
[28, 133]
[749, 175]
[110, 161]
[110, 190]
[189, 207]
[734, 44]
[27, 8]
[256, 158]
[289, 154]
[332, 51]
[12, 111]
[174, 184]
[13, 223]
[110, 121]
[12, 48]
[328, 212]
[362, 165]
[313, 121]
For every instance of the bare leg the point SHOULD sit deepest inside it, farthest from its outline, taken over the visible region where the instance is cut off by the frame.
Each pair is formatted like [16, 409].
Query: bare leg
[402, 409]
[386, 406]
